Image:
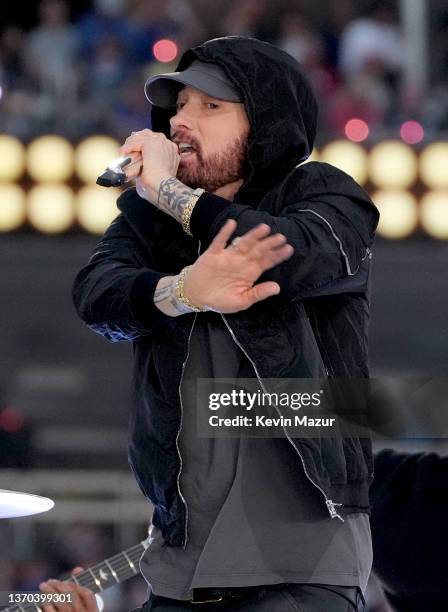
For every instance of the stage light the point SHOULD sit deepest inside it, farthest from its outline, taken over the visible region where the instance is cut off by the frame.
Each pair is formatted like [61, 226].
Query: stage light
[356, 130]
[399, 213]
[165, 50]
[93, 156]
[22, 504]
[50, 159]
[434, 213]
[12, 156]
[12, 207]
[392, 164]
[51, 208]
[348, 156]
[412, 132]
[434, 165]
[96, 208]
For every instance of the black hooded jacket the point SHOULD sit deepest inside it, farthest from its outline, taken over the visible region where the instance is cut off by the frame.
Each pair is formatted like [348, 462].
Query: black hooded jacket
[316, 325]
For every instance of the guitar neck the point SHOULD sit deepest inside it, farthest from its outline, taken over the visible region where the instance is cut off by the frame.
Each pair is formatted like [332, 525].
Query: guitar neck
[99, 577]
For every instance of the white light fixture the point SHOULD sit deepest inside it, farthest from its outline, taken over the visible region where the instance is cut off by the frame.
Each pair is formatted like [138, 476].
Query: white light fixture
[398, 213]
[13, 504]
[12, 156]
[50, 159]
[434, 214]
[393, 165]
[51, 208]
[12, 207]
[93, 155]
[434, 165]
[347, 156]
[97, 208]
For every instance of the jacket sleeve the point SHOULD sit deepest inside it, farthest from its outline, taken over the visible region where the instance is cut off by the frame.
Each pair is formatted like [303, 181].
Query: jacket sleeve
[113, 294]
[331, 234]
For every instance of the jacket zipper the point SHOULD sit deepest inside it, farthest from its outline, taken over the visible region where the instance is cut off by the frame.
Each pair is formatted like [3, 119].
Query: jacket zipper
[184, 501]
[178, 434]
[328, 502]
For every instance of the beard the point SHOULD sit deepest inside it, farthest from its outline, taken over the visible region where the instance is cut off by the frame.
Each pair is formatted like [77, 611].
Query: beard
[217, 170]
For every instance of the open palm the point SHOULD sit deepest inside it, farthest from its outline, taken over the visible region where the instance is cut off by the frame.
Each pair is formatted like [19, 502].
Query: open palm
[223, 277]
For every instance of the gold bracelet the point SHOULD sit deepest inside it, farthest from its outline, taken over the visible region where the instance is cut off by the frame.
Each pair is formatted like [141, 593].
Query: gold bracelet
[186, 213]
[180, 295]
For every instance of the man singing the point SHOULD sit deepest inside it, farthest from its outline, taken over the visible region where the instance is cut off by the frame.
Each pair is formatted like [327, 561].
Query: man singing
[231, 259]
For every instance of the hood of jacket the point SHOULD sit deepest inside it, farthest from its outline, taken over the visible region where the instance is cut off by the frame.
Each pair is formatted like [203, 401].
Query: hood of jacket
[282, 112]
[279, 103]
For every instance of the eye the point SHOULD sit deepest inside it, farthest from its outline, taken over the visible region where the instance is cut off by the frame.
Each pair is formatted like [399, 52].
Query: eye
[179, 105]
[212, 105]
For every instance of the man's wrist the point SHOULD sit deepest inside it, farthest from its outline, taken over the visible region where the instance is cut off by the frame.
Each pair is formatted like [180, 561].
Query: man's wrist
[148, 187]
[169, 296]
[165, 299]
[180, 295]
[172, 197]
[188, 210]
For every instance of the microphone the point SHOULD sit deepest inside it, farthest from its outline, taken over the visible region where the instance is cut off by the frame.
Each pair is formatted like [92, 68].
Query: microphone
[116, 172]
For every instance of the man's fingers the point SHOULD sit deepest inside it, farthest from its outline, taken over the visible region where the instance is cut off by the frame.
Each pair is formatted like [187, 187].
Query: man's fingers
[61, 587]
[88, 599]
[259, 245]
[78, 598]
[254, 243]
[268, 244]
[268, 252]
[136, 141]
[219, 242]
[276, 256]
[131, 146]
[250, 239]
[262, 291]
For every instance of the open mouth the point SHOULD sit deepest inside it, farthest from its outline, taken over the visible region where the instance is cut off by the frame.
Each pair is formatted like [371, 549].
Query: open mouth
[186, 150]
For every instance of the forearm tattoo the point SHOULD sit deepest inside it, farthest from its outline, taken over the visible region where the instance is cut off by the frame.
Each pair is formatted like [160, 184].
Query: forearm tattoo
[173, 197]
[165, 298]
[162, 294]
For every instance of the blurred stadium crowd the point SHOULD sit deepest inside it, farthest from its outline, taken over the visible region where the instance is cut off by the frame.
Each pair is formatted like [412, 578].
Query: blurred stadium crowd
[77, 72]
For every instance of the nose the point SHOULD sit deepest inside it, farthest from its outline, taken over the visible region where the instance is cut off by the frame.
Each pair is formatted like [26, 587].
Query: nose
[182, 119]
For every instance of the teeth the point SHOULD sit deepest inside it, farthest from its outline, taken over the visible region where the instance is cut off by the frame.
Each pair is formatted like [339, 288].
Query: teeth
[184, 145]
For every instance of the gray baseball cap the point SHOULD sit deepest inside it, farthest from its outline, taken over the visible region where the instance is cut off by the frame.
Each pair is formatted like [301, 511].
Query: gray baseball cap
[162, 89]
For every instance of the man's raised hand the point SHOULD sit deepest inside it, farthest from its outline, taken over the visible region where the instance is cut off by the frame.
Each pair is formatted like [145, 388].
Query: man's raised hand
[223, 278]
